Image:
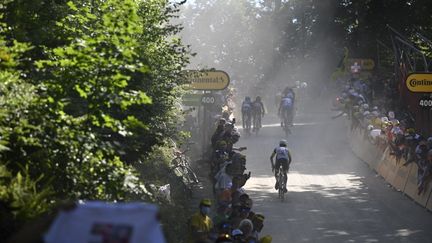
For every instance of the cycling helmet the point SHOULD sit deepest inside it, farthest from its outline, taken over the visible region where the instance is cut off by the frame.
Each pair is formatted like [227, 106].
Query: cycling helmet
[365, 106]
[205, 202]
[375, 108]
[283, 143]
[303, 85]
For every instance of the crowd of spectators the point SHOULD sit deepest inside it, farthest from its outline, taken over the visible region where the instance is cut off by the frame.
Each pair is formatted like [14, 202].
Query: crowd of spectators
[386, 128]
[233, 220]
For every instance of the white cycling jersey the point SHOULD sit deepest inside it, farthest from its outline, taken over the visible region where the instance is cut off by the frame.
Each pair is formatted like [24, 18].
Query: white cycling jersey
[282, 153]
[287, 102]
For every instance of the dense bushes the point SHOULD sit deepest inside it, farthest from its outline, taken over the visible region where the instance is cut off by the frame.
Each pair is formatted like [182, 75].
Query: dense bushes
[86, 98]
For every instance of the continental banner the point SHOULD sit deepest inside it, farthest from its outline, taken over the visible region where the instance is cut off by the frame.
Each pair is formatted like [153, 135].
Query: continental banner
[419, 82]
[208, 80]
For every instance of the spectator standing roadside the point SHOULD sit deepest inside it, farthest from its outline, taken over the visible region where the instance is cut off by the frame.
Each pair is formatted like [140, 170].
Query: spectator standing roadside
[200, 224]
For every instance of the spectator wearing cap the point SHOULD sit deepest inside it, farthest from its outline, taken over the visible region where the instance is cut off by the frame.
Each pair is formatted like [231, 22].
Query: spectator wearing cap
[200, 224]
[258, 224]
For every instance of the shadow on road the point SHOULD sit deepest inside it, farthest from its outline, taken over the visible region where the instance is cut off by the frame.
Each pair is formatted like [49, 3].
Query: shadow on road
[316, 213]
[333, 197]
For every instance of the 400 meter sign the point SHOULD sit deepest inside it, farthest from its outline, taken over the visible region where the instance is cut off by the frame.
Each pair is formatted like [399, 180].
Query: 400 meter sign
[208, 80]
[208, 99]
[419, 82]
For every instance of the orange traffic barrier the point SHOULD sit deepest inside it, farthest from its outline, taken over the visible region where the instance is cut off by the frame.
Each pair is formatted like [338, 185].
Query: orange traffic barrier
[392, 169]
[371, 154]
[384, 165]
[401, 177]
[411, 188]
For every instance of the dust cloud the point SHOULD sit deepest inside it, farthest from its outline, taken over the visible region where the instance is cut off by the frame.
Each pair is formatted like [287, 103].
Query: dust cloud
[262, 48]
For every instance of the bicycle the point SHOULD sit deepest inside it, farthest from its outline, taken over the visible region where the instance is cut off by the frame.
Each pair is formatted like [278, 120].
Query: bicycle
[286, 124]
[248, 124]
[182, 166]
[257, 123]
[281, 183]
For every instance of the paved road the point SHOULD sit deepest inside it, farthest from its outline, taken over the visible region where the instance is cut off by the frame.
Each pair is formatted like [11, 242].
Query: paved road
[333, 196]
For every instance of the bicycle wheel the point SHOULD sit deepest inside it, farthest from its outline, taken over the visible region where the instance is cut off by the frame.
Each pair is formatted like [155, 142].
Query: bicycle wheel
[281, 185]
[191, 174]
[286, 127]
[248, 125]
[181, 172]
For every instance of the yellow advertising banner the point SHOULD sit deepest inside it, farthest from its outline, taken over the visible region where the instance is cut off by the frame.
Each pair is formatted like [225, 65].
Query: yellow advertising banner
[419, 82]
[208, 80]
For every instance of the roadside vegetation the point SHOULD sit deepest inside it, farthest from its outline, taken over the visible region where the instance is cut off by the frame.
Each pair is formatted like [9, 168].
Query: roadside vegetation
[89, 93]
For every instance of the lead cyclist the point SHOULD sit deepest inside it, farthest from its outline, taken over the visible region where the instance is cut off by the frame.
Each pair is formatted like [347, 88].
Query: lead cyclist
[283, 157]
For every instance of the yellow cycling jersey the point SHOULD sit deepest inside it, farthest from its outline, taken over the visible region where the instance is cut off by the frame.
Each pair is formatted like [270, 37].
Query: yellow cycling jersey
[200, 223]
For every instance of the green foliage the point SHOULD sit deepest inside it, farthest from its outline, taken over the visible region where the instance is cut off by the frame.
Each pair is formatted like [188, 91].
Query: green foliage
[20, 192]
[85, 100]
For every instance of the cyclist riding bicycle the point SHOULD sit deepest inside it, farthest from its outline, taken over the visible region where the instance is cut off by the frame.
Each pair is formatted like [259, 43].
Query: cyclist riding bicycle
[289, 91]
[286, 108]
[283, 157]
[246, 110]
[257, 113]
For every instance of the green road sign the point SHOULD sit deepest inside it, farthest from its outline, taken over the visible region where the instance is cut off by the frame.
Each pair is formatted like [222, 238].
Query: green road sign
[191, 99]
